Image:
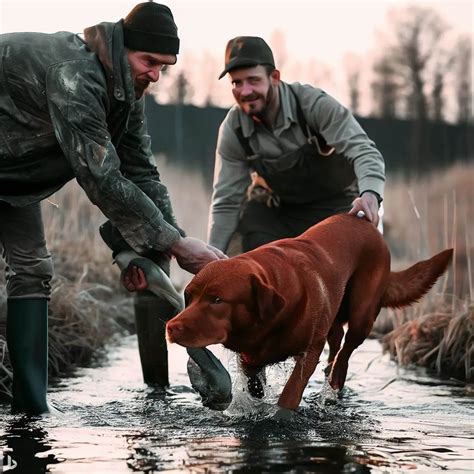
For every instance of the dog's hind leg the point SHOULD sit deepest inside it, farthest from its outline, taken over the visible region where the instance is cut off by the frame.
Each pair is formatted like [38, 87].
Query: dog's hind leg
[364, 294]
[305, 365]
[359, 326]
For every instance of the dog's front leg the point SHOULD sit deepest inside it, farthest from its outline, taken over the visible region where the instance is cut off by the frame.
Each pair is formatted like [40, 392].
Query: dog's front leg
[305, 365]
[255, 379]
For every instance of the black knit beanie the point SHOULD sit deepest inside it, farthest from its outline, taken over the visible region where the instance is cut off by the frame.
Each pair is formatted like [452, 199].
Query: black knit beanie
[150, 27]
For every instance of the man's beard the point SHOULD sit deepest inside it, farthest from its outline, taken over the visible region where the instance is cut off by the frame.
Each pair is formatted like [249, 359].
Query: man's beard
[140, 88]
[260, 115]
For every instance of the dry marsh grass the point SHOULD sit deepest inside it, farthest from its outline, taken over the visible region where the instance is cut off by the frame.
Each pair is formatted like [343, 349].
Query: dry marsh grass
[425, 216]
[440, 339]
[191, 199]
[422, 218]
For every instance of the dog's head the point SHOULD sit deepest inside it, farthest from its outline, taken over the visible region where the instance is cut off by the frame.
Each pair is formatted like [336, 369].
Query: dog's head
[225, 300]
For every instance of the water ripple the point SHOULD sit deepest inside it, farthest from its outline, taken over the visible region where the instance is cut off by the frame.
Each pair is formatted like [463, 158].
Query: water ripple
[386, 420]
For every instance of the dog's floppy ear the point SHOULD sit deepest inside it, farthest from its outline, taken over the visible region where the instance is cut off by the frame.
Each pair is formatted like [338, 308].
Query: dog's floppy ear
[267, 300]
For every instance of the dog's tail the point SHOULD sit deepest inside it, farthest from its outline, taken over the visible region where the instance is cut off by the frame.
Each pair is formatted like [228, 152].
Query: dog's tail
[408, 286]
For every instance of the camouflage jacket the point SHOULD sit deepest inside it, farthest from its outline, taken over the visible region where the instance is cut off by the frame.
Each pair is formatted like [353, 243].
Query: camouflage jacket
[68, 110]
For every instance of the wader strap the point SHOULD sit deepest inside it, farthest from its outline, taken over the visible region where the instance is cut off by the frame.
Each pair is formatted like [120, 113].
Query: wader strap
[252, 158]
[244, 142]
[305, 128]
[313, 136]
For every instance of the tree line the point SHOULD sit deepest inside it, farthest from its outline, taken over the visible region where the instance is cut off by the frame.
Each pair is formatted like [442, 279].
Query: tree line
[419, 85]
[421, 71]
[187, 136]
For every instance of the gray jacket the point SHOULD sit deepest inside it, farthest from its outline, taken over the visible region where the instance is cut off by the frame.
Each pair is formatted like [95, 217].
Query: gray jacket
[322, 113]
[68, 110]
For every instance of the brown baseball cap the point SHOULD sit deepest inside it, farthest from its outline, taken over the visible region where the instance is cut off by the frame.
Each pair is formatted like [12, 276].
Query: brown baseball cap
[246, 51]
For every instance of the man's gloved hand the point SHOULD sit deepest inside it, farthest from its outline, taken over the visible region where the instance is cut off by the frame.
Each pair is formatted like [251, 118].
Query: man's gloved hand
[369, 205]
[193, 254]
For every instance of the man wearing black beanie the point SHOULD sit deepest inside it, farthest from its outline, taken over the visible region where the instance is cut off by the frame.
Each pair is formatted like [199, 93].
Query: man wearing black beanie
[73, 107]
[149, 28]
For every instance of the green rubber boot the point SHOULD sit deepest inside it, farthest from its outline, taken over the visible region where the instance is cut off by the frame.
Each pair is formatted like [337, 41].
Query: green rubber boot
[151, 315]
[27, 340]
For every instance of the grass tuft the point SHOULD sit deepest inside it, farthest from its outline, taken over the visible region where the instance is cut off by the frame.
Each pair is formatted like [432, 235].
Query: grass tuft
[422, 218]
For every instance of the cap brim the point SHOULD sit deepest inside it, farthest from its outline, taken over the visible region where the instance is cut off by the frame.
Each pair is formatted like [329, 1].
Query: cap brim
[237, 63]
[223, 73]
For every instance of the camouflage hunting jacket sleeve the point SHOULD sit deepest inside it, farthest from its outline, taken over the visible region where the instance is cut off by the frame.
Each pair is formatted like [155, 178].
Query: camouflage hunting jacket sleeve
[137, 163]
[77, 101]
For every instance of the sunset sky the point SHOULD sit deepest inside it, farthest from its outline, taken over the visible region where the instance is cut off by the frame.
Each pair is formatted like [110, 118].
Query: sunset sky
[336, 26]
[318, 30]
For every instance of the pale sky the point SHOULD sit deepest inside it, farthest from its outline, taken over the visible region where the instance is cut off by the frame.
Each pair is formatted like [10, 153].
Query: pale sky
[315, 30]
[334, 26]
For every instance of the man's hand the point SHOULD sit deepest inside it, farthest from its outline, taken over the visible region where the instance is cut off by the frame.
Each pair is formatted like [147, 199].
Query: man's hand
[133, 279]
[193, 254]
[368, 204]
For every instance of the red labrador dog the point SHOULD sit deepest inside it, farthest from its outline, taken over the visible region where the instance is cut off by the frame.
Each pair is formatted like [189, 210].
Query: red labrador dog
[287, 298]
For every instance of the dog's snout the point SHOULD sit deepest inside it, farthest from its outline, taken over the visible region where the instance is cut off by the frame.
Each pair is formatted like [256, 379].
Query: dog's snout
[175, 327]
[173, 330]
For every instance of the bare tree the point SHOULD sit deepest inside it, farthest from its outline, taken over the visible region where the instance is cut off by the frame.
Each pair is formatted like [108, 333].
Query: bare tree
[386, 89]
[417, 34]
[181, 91]
[352, 67]
[319, 74]
[410, 54]
[442, 65]
[463, 79]
[211, 67]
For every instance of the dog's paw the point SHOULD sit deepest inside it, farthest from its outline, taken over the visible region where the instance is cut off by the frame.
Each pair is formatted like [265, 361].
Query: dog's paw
[283, 414]
[255, 387]
[328, 395]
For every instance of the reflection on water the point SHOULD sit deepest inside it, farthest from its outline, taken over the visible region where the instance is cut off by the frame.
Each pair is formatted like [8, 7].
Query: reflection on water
[384, 422]
[25, 447]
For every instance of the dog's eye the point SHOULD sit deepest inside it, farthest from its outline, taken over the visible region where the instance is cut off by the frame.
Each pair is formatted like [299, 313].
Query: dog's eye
[217, 300]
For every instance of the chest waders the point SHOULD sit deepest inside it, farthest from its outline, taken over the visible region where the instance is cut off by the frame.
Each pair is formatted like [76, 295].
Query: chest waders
[308, 184]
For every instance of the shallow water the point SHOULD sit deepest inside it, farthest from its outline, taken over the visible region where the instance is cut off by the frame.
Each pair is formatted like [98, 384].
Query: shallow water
[386, 421]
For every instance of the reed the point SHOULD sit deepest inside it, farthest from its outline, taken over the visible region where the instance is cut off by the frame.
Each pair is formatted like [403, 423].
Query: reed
[423, 217]
[440, 340]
